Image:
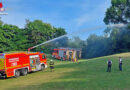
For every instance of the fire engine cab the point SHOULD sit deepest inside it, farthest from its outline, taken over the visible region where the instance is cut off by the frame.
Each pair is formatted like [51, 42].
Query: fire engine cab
[16, 64]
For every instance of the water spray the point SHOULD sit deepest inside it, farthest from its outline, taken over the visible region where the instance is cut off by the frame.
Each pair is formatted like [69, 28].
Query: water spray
[46, 42]
[77, 32]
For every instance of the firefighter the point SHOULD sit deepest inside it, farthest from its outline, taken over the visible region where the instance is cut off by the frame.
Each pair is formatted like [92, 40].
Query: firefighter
[77, 61]
[120, 63]
[69, 58]
[109, 63]
[51, 65]
[65, 57]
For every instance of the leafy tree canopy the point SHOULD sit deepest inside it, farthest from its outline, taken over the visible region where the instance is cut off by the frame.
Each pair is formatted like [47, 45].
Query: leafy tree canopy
[119, 12]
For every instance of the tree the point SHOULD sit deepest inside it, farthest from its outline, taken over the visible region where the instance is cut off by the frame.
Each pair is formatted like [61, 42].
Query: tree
[97, 46]
[38, 32]
[119, 12]
[8, 32]
[13, 38]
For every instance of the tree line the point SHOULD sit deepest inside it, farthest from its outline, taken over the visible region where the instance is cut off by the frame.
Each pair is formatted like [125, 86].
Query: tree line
[114, 40]
[13, 38]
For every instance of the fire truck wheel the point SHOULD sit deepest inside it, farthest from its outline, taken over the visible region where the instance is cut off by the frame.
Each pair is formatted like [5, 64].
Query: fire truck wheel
[24, 72]
[17, 73]
[42, 67]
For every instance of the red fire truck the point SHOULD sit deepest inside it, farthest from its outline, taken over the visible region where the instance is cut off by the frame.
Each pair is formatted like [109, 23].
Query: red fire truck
[66, 53]
[16, 64]
[56, 53]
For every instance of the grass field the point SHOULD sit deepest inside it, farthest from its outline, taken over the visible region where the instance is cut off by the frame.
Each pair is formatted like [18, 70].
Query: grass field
[87, 75]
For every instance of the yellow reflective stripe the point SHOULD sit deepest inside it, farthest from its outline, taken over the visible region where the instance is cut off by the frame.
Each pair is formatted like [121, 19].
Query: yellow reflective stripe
[14, 66]
[42, 61]
[2, 63]
[17, 66]
[25, 64]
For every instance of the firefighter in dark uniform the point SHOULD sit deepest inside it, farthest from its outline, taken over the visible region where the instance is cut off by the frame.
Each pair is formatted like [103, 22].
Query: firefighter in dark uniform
[120, 63]
[51, 65]
[109, 63]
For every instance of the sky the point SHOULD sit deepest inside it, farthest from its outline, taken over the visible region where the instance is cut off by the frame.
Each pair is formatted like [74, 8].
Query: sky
[72, 15]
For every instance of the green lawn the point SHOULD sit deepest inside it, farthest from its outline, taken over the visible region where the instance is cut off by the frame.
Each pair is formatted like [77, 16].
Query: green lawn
[87, 75]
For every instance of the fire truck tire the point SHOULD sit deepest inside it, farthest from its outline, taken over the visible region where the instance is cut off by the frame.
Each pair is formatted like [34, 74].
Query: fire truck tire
[24, 72]
[17, 73]
[42, 67]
